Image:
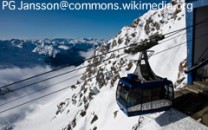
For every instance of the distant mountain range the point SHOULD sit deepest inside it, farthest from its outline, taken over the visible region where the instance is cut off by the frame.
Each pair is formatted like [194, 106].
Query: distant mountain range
[52, 52]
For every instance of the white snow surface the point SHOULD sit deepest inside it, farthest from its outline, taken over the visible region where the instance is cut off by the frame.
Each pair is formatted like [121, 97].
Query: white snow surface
[73, 102]
[63, 47]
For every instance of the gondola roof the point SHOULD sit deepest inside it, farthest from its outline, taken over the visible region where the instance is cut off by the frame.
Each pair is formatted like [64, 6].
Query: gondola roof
[137, 83]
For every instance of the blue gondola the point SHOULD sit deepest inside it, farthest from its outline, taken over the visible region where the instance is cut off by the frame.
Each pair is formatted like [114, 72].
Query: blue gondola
[144, 92]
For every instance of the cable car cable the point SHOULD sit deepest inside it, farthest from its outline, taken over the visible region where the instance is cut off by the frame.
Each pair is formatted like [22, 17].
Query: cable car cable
[55, 91]
[42, 89]
[206, 34]
[91, 65]
[77, 62]
[52, 77]
[43, 96]
[179, 30]
[68, 86]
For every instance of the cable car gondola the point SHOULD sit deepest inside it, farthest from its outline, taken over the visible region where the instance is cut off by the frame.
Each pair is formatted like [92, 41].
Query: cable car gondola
[144, 92]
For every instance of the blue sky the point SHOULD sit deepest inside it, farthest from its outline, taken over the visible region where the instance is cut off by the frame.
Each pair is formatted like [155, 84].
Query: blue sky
[65, 24]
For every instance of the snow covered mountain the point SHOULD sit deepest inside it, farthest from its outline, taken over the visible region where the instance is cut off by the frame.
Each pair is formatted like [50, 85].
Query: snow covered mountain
[90, 103]
[55, 52]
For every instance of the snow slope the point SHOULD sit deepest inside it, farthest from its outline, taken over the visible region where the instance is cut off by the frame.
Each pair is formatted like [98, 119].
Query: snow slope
[92, 105]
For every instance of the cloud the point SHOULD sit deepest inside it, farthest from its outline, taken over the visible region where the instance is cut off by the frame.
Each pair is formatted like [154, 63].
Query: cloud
[10, 75]
[8, 119]
[87, 54]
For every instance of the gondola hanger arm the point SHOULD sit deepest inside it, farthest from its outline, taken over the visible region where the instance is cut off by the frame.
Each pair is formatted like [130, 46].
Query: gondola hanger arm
[145, 44]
